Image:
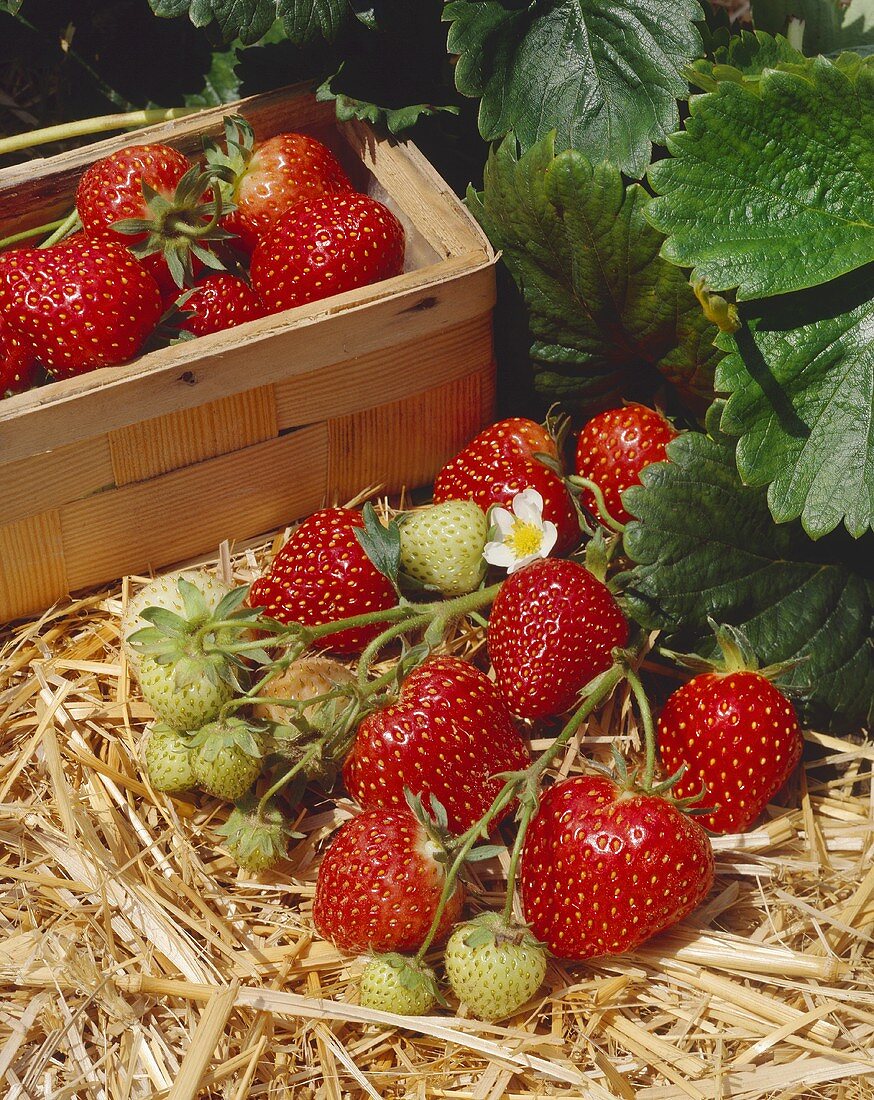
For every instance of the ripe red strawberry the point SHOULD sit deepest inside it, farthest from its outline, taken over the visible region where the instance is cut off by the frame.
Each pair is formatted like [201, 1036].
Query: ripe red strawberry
[17, 363]
[447, 734]
[552, 629]
[604, 868]
[264, 179]
[736, 734]
[321, 575]
[499, 463]
[81, 304]
[112, 188]
[379, 883]
[218, 302]
[111, 191]
[326, 245]
[614, 447]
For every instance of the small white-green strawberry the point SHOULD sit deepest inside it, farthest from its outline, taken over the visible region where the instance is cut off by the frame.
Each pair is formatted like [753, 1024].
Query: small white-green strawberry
[442, 546]
[396, 983]
[169, 760]
[227, 758]
[305, 679]
[184, 659]
[164, 592]
[494, 967]
[256, 837]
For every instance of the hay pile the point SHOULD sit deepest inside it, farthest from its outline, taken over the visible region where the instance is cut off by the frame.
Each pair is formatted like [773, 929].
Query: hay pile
[137, 961]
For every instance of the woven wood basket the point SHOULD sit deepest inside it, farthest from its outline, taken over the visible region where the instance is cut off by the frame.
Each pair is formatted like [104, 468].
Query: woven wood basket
[133, 468]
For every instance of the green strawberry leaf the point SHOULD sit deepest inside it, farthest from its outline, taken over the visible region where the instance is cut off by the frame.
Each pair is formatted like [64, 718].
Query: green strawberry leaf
[792, 204]
[605, 311]
[395, 119]
[249, 20]
[605, 75]
[13, 7]
[800, 375]
[381, 544]
[222, 83]
[743, 61]
[705, 546]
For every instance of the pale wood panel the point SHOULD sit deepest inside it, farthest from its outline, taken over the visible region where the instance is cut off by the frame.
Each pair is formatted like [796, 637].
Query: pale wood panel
[45, 481]
[178, 439]
[32, 574]
[259, 353]
[190, 511]
[421, 192]
[403, 444]
[400, 370]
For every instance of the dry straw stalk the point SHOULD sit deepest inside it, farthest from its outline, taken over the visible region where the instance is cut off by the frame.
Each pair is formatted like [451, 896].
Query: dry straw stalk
[138, 963]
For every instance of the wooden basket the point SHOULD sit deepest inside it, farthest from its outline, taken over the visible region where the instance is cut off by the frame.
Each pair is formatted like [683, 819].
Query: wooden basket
[133, 468]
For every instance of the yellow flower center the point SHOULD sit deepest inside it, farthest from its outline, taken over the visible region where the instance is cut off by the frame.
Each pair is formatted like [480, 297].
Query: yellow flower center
[524, 539]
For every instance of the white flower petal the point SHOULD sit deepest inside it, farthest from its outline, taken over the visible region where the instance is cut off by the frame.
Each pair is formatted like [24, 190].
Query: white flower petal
[496, 553]
[550, 537]
[503, 520]
[528, 507]
[520, 563]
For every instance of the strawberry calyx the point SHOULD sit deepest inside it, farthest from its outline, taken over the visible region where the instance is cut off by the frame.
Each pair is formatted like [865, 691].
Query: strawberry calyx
[199, 642]
[494, 928]
[227, 733]
[228, 166]
[735, 654]
[257, 838]
[179, 227]
[397, 983]
[381, 543]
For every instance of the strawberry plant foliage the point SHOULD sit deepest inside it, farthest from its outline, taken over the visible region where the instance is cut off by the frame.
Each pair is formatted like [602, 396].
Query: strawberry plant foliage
[800, 375]
[704, 545]
[250, 20]
[604, 309]
[605, 76]
[793, 205]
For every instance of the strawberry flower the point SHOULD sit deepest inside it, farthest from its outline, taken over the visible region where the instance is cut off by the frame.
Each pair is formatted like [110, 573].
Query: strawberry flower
[521, 536]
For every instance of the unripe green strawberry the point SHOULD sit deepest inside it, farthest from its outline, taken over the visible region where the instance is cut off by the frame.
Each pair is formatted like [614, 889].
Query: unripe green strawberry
[494, 967]
[184, 696]
[396, 983]
[257, 842]
[227, 758]
[442, 546]
[164, 592]
[178, 650]
[169, 760]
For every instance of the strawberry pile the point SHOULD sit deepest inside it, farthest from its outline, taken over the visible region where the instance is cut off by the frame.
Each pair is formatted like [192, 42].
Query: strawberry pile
[253, 704]
[162, 248]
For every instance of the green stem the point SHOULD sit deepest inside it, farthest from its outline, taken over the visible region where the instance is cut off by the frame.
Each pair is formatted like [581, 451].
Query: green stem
[367, 657]
[309, 755]
[70, 224]
[600, 504]
[528, 807]
[648, 730]
[129, 120]
[530, 778]
[29, 234]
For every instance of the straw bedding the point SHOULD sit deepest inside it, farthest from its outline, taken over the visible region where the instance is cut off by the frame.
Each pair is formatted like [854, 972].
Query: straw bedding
[137, 961]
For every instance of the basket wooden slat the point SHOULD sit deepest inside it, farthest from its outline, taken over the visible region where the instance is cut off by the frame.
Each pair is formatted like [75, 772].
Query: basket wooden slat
[233, 434]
